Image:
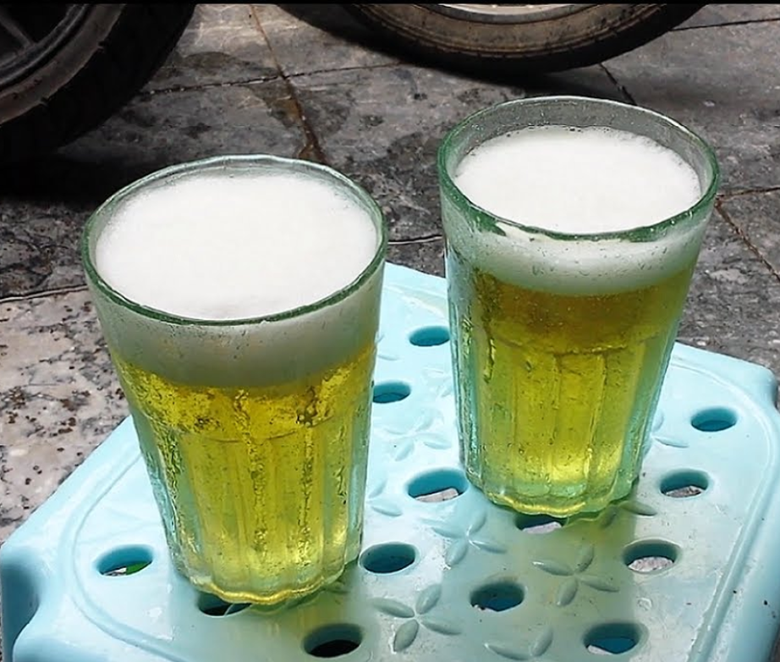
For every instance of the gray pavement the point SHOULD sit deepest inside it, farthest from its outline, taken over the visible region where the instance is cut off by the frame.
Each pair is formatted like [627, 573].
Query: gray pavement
[300, 80]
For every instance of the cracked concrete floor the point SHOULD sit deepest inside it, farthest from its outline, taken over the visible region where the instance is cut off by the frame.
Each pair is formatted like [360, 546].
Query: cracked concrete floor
[305, 80]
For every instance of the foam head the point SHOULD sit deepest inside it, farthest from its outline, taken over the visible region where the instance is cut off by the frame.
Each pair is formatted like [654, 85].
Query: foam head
[577, 181]
[218, 246]
[232, 243]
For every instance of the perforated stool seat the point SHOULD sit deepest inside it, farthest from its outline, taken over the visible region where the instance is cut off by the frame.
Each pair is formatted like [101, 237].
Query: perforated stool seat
[685, 569]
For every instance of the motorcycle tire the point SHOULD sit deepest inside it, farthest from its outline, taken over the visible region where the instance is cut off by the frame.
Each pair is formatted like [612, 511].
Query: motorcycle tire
[533, 39]
[64, 69]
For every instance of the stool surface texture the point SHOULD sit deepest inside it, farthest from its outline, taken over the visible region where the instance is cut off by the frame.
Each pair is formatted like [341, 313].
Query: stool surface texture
[685, 569]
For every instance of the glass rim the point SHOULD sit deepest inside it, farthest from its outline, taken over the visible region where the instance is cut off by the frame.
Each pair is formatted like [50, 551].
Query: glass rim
[107, 207]
[706, 197]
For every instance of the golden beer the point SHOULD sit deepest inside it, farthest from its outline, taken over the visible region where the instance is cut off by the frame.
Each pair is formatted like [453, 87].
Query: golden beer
[572, 231]
[244, 342]
[564, 386]
[260, 482]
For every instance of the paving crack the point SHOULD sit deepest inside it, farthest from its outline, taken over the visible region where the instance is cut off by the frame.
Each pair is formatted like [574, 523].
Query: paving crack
[742, 235]
[312, 150]
[620, 87]
[39, 294]
[147, 94]
[386, 65]
[747, 21]
[424, 239]
[749, 191]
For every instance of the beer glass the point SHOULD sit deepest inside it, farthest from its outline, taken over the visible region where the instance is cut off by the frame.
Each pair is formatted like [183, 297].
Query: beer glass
[254, 430]
[561, 339]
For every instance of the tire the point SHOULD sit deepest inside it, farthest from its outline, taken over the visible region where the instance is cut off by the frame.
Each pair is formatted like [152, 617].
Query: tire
[531, 39]
[80, 65]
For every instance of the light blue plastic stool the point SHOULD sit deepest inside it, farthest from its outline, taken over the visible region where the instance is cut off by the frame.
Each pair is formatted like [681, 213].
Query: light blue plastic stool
[455, 580]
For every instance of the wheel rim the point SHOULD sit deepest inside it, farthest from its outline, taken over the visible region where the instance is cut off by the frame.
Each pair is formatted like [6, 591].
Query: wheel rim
[32, 34]
[505, 13]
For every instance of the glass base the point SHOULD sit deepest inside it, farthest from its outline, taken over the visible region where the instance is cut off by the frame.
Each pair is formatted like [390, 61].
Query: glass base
[558, 506]
[283, 598]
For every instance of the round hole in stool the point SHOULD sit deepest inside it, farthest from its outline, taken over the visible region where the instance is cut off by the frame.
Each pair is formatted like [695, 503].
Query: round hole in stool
[613, 638]
[649, 556]
[429, 336]
[211, 605]
[498, 596]
[714, 419]
[537, 524]
[333, 640]
[388, 558]
[124, 561]
[438, 485]
[684, 484]
[389, 392]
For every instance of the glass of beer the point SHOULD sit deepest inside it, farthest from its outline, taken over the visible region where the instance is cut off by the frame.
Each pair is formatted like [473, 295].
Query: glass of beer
[239, 299]
[572, 229]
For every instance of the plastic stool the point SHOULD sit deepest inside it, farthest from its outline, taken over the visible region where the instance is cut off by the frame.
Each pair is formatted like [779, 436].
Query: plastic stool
[686, 569]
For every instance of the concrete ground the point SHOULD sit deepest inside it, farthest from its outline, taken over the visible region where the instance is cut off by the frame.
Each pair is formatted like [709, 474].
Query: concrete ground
[305, 80]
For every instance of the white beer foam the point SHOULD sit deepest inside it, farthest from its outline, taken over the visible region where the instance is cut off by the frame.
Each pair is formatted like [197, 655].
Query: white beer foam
[233, 246]
[577, 181]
